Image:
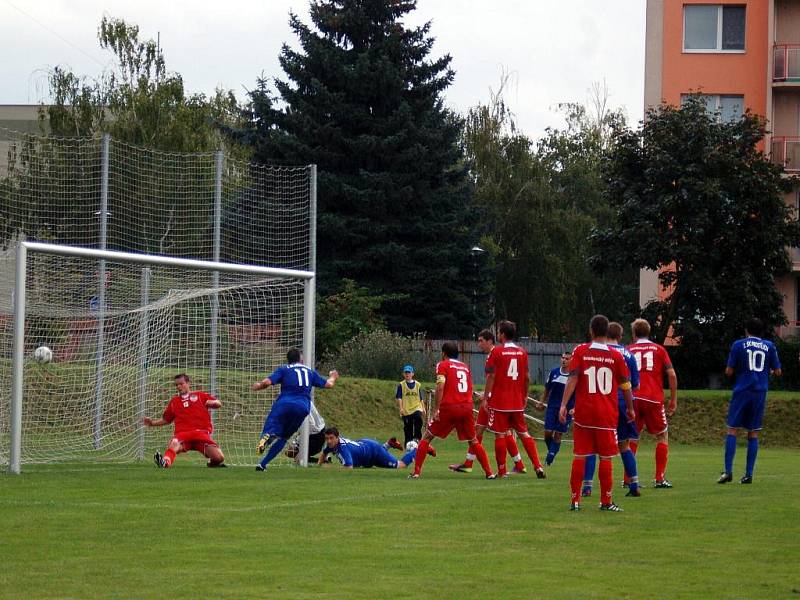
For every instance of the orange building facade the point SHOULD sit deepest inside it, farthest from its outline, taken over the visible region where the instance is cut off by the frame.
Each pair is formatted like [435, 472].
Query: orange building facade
[740, 54]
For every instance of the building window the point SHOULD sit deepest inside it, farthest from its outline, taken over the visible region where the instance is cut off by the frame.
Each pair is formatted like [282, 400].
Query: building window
[713, 28]
[727, 107]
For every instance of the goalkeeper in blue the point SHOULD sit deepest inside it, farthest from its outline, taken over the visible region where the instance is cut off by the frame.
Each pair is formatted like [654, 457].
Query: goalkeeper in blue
[364, 453]
[626, 430]
[751, 361]
[292, 405]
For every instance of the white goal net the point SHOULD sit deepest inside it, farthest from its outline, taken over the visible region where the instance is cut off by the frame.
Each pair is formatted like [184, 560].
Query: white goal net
[110, 369]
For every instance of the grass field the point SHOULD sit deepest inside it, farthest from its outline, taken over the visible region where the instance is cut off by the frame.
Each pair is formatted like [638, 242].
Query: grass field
[81, 531]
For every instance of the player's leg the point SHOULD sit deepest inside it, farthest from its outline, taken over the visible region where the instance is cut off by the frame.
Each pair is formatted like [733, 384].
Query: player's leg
[513, 452]
[662, 445]
[408, 429]
[631, 469]
[422, 449]
[288, 419]
[272, 425]
[606, 446]
[481, 423]
[582, 448]
[417, 425]
[175, 447]
[517, 422]
[754, 417]
[214, 455]
[590, 466]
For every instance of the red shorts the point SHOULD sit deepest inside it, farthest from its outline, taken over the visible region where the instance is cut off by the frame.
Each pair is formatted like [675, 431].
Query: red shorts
[502, 421]
[195, 440]
[650, 415]
[458, 417]
[482, 420]
[587, 441]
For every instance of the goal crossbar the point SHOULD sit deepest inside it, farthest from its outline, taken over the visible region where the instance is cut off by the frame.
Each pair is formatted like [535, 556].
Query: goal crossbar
[18, 349]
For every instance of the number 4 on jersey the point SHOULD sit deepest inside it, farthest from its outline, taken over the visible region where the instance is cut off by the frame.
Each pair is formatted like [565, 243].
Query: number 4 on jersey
[513, 369]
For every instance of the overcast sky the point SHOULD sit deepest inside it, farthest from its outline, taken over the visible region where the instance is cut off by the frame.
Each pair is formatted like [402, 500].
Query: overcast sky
[554, 48]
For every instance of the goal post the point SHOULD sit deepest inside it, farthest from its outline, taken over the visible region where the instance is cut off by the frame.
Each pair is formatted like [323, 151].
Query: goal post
[179, 317]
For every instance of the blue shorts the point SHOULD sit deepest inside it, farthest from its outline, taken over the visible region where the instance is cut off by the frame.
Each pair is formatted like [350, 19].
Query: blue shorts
[380, 457]
[551, 422]
[285, 418]
[746, 410]
[626, 430]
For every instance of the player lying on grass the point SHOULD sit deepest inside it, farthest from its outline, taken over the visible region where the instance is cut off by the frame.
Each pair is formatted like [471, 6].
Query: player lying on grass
[188, 410]
[626, 430]
[486, 344]
[292, 405]
[364, 452]
[596, 371]
[751, 360]
[553, 392]
[454, 403]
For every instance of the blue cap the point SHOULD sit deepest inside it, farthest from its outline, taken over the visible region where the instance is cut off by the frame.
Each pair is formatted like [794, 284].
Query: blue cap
[408, 369]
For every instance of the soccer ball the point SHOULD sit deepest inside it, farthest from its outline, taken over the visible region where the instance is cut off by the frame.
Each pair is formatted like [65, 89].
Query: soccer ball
[412, 445]
[43, 355]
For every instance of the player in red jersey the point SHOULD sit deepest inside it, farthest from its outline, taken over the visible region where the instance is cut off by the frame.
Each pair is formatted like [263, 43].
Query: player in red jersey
[486, 343]
[506, 396]
[596, 371]
[454, 403]
[653, 362]
[189, 411]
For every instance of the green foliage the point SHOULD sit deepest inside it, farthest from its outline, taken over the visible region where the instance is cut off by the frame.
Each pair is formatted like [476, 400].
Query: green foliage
[539, 203]
[363, 99]
[139, 101]
[381, 354]
[343, 315]
[697, 195]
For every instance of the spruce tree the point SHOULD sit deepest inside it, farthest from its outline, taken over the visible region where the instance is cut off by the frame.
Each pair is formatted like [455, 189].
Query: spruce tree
[363, 100]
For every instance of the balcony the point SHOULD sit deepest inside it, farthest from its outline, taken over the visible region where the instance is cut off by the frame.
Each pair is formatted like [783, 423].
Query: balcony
[786, 152]
[786, 64]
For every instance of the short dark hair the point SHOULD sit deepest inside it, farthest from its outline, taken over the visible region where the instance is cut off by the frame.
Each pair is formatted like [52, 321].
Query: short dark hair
[615, 330]
[182, 376]
[450, 349]
[754, 327]
[486, 334]
[508, 329]
[599, 326]
[332, 431]
[293, 356]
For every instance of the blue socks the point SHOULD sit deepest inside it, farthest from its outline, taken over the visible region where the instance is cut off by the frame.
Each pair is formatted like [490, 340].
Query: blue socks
[730, 452]
[629, 461]
[752, 451]
[408, 457]
[552, 449]
[273, 451]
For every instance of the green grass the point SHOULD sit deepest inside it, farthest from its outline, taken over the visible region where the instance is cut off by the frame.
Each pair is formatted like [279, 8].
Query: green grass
[108, 531]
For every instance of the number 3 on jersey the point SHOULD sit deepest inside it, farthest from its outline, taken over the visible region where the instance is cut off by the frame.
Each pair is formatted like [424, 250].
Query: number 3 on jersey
[463, 382]
[513, 370]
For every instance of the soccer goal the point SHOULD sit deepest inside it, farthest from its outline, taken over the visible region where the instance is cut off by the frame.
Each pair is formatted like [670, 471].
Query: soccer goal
[116, 347]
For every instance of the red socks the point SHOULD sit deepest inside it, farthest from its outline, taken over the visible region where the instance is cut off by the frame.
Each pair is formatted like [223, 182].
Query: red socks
[513, 451]
[483, 458]
[576, 478]
[530, 449]
[634, 446]
[606, 476]
[422, 453]
[169, 457]
[500, 454]
[662, 451]
[469, 460]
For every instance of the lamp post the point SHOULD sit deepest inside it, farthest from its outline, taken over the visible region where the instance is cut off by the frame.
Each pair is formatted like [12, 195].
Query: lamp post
[475, 252]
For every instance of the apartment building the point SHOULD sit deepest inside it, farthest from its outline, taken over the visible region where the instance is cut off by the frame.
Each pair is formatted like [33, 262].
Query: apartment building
[739, 54]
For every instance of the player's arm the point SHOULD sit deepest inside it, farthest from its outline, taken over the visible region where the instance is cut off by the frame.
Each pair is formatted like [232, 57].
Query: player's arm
[398, 395]
[261, 385]
[672, 379]
[154, 422]
[333, 376]
[439, 394]
[213, 402]
[775, 362]
[569, 389]
[627, 394]
[487, 388]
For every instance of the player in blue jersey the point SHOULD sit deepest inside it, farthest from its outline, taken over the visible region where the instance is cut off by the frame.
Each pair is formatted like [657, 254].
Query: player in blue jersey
[751, 361]
[292, 405]
[364, 452]
[553, 393]
[626, 430]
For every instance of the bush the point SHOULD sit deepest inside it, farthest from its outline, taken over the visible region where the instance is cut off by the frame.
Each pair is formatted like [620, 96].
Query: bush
[381, 354]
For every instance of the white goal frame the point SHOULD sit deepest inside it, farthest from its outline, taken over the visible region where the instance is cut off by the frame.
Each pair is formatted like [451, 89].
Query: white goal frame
[18, 349]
